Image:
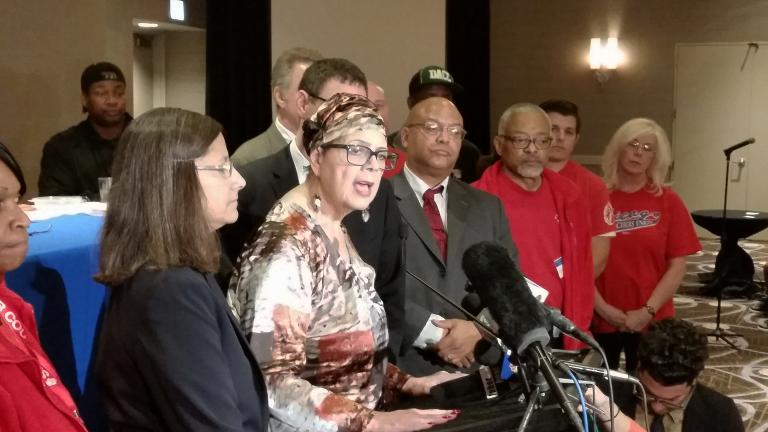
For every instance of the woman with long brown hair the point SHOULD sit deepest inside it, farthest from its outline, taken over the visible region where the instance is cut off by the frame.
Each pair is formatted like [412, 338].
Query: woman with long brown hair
[171, 357]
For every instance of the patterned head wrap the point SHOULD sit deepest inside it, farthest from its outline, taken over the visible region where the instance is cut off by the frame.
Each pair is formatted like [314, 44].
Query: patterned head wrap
[340, 115]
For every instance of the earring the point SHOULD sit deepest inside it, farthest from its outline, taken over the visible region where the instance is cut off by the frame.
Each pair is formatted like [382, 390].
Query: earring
[316, 203]
[366, 215]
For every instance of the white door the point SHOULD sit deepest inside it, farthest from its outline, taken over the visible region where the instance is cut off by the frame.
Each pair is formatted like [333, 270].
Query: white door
[718, 103]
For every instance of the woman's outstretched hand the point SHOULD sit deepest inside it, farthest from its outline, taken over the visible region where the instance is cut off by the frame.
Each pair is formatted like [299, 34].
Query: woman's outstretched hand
[409, 420]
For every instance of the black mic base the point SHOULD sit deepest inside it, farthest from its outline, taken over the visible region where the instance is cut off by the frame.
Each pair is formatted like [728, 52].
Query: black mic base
[473, 389]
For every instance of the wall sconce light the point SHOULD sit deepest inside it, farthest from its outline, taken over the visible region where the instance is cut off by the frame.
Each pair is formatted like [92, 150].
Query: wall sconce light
[604, 59]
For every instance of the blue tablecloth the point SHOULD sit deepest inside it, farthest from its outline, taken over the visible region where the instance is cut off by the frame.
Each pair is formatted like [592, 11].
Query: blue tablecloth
[57, 279]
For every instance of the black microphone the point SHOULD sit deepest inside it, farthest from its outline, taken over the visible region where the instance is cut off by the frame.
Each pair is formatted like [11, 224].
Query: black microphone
[522, 322]
[473, 304]
[734, 147]
[568, 327]
[489, 332]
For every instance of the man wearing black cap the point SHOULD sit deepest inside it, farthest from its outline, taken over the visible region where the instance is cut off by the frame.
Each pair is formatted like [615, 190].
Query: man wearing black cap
[435, 81]
[73, 160]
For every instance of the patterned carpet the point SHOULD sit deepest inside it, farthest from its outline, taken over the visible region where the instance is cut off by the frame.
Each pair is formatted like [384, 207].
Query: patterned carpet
[742, 375]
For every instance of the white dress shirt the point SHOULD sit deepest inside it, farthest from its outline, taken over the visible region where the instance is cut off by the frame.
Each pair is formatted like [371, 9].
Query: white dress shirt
[300, 162]
[284, 132]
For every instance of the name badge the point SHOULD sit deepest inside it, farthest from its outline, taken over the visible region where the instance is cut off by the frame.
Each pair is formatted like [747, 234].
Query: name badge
[559, 267]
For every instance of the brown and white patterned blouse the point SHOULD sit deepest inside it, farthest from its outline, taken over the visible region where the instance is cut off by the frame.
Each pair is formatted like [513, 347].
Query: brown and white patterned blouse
[315, 324]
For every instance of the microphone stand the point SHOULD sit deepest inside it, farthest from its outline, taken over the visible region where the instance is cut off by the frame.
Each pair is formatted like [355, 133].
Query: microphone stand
[718, 333]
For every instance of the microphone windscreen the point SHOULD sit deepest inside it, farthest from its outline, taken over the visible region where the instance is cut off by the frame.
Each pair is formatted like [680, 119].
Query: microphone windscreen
[472, 303]
[503, 290]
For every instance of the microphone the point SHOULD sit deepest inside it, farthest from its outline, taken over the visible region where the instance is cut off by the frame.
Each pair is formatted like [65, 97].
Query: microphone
[473, 304]
[521, 320]
[735, 147]
[483, 326]
[568, 327]
[601, 372]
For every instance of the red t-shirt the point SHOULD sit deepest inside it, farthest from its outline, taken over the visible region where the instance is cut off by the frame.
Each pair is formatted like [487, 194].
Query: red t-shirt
[400, 162]
[32, 396]
[538, 249]
[650, 230]
[595, 192]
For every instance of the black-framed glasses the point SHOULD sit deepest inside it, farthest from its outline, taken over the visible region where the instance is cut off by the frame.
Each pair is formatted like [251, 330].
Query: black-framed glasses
[224, 169]
[312, 95]
[359, 155]
[521, 142]
[672, 405]
[637, 145]
[433, 129]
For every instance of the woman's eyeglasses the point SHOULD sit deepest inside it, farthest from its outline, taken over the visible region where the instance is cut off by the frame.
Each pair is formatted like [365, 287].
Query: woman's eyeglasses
[359, 155]
[224, 169]
[636, 146]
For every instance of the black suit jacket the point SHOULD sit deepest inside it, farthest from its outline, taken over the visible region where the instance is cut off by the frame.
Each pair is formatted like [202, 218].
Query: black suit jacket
[172, 358]
[707, 411]
[377, 241]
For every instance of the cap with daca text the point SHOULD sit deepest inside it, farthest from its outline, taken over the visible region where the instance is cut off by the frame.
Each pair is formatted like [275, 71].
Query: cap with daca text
[433, 75]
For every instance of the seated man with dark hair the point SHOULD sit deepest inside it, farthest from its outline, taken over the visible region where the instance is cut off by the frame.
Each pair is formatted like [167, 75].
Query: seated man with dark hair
[671, 355]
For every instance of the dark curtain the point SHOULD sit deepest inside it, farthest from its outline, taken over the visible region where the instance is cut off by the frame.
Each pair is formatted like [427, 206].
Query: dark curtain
[467, 52]
[238, 63]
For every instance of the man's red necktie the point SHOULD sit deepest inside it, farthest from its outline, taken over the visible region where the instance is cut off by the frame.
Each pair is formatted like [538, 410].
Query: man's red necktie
[435, 221]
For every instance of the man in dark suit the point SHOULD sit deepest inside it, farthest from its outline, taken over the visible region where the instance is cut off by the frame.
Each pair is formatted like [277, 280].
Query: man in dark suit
[268, 179]
[286, 75]
[670, 357]
[443, 217]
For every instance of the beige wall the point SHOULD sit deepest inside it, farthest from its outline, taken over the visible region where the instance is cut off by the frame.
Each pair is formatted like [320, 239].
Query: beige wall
[389, 40]
[539, 49]
[185, 70]
[44, 46]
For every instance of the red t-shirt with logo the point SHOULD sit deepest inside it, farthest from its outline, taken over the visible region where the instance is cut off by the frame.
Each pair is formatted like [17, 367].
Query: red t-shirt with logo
[595, 192]
[536, 234]
[650, 230]
[32, 396]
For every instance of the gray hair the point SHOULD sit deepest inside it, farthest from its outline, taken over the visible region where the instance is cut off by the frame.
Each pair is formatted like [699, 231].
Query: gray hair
[287, 60]
[520, 108]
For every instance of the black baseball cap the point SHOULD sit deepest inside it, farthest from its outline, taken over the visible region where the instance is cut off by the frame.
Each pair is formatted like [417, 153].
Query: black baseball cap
[433, 75]
[102, 71]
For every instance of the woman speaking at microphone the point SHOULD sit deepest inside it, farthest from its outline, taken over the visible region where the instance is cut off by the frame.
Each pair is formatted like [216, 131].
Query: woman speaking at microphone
[306, 299]
[171, 356]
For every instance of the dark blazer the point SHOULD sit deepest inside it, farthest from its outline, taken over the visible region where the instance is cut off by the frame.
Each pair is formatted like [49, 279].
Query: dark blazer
[707, 411]
[377, 241]
[172, 358]
[473, 216]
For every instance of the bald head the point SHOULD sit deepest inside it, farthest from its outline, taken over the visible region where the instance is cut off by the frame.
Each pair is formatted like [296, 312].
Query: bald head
[376, 95]
[432, 137]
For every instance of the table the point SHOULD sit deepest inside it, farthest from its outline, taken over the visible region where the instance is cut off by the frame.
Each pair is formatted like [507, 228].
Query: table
[56, 278]
[734, 267]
